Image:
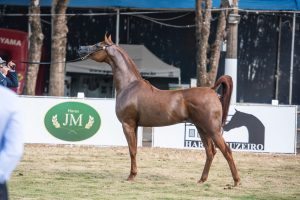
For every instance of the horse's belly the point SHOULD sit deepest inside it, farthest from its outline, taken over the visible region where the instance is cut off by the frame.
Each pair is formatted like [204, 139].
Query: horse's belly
[158, 117]
[157, 123]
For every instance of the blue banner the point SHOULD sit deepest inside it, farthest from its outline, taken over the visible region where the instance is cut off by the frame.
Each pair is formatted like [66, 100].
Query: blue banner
[166, 4]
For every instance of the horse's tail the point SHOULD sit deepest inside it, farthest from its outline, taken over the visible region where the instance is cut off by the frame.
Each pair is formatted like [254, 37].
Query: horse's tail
[227, 86]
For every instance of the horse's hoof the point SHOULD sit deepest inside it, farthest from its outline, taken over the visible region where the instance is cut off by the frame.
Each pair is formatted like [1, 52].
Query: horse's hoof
[201, 181]
[237, 183]
[131, 177]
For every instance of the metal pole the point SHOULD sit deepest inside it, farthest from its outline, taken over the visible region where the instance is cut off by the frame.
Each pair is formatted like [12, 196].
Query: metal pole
[292, 60]
[117, 26]
[29, 33]
[278, 60]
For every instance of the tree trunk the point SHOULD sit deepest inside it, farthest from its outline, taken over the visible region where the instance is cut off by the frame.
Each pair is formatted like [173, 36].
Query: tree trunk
[207, 68]
[58, 47]
[202, 35]
[35, 47]
[232, 35]
[216, 47]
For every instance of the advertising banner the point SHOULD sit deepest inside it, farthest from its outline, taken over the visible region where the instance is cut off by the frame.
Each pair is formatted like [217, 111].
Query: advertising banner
[14, 47]
[255, 128]
[53, 120]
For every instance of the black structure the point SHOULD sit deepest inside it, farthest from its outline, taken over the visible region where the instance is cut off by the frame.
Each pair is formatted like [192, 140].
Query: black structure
[259, 52]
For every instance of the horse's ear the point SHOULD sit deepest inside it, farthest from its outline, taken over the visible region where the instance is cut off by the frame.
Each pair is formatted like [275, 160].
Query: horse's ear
[109, 39]
[106, 39]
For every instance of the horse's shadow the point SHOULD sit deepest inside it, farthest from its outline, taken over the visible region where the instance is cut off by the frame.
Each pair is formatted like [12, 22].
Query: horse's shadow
[256, 129]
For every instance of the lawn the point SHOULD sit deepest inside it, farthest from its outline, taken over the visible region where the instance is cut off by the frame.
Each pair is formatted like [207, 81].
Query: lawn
[80, 172]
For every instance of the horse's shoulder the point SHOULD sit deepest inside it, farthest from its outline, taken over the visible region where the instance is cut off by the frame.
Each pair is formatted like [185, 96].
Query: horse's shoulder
[131, 89]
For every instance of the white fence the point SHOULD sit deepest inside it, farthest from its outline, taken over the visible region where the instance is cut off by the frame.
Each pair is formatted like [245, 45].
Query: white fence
[255, 128]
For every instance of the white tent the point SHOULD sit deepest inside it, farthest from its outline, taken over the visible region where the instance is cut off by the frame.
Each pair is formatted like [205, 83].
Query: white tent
[148, 64]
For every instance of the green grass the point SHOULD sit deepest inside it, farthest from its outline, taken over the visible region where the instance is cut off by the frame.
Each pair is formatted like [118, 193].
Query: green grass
[77, 172]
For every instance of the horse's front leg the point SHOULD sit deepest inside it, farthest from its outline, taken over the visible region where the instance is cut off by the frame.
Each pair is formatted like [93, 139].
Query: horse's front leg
[130, 131]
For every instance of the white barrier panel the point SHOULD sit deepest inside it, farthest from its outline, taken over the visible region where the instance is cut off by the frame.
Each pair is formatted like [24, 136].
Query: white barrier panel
[255, 128]
[53, 120]
[169, 136]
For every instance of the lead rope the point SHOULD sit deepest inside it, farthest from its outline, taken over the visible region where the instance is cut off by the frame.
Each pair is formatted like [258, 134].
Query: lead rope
[69, 61]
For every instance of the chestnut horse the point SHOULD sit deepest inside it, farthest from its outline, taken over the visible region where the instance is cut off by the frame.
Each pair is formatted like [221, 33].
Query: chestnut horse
[138, 103]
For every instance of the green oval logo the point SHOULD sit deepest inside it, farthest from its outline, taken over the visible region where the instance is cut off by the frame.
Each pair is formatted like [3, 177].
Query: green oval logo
[72, 121]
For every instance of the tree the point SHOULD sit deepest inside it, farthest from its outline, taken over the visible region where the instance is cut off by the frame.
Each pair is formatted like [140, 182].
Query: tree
[207, 68]
[35, 47]
[58, 47]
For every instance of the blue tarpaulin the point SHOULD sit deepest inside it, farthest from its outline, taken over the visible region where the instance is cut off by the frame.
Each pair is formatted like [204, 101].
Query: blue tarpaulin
[166, 4]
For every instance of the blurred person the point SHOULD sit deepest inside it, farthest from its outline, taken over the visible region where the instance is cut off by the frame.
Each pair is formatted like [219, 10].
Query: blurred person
[8, 75]
[11, 137]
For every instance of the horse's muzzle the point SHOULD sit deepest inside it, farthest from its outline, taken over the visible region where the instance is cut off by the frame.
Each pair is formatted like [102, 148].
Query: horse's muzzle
[85, 50]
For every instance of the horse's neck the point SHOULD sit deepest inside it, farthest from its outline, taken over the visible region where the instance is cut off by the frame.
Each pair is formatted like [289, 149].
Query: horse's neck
[247, 120]
[124, 69]
[255, 127]
[240, 120]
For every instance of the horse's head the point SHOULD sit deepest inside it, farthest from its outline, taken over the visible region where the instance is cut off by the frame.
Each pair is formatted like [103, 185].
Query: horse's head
[97, 51]
[234, 121]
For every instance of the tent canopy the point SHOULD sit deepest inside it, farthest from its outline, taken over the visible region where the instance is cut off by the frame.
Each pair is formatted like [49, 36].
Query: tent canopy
[148, 64]
[167, 4]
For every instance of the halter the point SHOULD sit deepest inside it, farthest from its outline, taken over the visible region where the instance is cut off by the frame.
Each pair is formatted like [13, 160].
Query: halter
[99, 48]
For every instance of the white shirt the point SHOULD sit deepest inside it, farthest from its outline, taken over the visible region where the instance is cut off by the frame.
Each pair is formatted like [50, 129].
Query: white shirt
[11, 133]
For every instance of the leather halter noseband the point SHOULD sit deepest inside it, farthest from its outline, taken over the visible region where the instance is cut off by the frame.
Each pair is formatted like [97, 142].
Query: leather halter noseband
[99, 48]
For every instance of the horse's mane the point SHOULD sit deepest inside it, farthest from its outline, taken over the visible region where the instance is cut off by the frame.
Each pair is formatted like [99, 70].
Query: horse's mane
[132, 65]
[129, 62]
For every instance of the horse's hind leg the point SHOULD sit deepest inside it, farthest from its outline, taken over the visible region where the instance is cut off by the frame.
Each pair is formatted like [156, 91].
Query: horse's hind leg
[130, 131]
[210, 153]
[224, 148]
